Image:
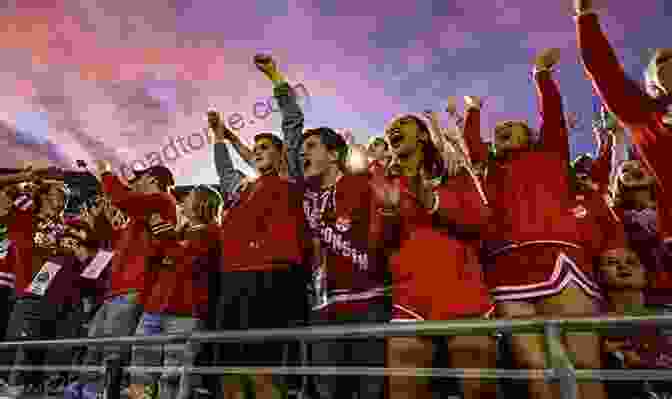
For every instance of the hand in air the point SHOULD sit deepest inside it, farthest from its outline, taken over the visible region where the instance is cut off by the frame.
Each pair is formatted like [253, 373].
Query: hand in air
[451, 108]
[357, 161]
[547, 58]
[582, 5]
[473, 102]
[266, 64]
[102, 167]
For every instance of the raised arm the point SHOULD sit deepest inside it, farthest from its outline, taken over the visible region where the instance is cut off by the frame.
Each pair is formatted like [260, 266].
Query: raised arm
[622, 96]
[553, 131]
[229, 177]
[618, 151]
[14, 178]
[476, 148]
[292, 115]
[601, 168]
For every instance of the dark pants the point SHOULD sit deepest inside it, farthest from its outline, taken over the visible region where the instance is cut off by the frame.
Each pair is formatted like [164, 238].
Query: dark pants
[369, 352]
[34, 318]
[6, 304]
[260, 300]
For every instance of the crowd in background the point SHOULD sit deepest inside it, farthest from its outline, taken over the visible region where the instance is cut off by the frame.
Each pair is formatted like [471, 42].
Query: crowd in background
[422, 223]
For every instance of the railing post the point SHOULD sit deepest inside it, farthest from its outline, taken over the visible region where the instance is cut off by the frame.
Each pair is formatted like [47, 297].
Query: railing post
[185, 389]
[557, 359]
[113, 377]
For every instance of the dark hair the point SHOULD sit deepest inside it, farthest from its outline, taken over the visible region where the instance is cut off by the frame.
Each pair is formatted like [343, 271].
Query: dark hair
[432, 160]
[332, 140]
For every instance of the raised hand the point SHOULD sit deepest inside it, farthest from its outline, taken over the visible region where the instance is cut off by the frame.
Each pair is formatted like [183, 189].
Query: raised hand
[473, 102]
[451, 108]
[266, 64]
[102, 167]
[547, 58]
[582, 5]
[214, 119]
[219, 129]
[357, 160]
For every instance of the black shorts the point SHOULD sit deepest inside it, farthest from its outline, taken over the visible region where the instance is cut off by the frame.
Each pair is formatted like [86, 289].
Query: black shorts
[259, 299]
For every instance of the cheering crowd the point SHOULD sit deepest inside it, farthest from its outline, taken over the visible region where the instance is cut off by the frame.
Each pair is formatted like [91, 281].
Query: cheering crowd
[423, 223]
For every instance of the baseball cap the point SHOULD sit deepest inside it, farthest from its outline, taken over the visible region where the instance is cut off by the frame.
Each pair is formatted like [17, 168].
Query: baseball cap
[160, 172]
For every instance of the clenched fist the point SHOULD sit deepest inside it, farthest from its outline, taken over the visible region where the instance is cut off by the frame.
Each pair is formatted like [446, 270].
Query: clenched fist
[582, 5]
[547, 58]
[266, 64]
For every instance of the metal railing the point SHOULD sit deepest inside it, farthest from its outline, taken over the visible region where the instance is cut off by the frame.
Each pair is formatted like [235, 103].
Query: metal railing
[559, 369]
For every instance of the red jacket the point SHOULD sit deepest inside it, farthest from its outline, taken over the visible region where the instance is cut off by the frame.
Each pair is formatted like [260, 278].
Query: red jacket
[264, 230]
[181, 286]
[20, 256]
[129, 265]
[437, 264]
[529, 192]
[638, 112]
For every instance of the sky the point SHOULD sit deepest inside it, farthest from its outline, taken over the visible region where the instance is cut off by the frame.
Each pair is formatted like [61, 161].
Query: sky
[117, 80]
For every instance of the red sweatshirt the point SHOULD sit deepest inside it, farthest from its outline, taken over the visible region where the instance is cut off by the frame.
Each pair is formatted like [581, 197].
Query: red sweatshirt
[341, 217]
[132, 250]
[265, 229]
[635, 110]
[181, 287]
[437, 264]
[529, 193]
[20, 232]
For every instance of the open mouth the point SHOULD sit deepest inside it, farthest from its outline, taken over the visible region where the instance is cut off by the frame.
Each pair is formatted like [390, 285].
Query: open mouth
[504, 138]
[624, 275]
[396, 139]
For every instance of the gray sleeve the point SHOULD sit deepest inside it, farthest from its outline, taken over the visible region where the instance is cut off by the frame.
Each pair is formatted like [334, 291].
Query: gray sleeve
[229, 177]
[292, 127]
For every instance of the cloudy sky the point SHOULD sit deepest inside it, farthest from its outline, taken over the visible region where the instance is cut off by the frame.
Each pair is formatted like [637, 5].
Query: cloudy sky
[90, 79]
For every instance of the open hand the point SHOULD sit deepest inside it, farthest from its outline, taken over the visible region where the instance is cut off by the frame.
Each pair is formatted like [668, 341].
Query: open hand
[387, 194]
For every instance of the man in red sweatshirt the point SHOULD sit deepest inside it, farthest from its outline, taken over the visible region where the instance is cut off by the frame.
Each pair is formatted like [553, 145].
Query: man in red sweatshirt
[152, 211]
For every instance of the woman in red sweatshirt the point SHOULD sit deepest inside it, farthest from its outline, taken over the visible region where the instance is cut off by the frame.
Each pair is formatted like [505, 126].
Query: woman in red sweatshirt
[179, 298]
[438, 221]
[535, 263]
